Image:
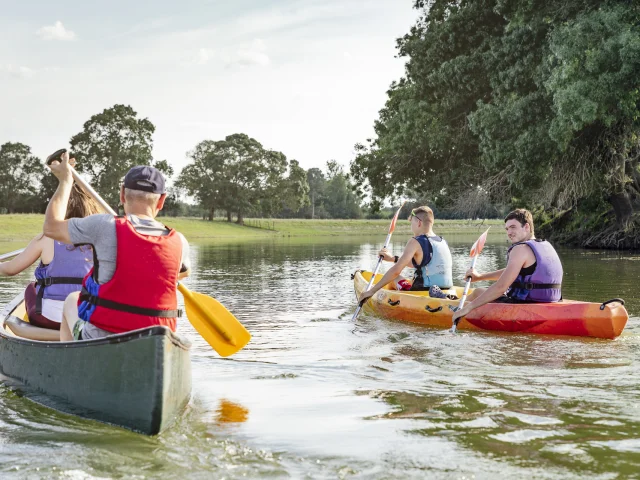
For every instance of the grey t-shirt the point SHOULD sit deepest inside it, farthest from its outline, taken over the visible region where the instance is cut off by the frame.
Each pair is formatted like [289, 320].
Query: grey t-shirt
[100, 231]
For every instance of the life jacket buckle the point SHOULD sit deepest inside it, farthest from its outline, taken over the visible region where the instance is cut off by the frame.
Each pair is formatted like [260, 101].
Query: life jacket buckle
[92, 299]
[48, 281]
[528, 286]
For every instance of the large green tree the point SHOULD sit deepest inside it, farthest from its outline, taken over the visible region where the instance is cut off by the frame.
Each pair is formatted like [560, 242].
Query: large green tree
[20, 178]
[295, 191]
[204, 178]
[236, 174]
[317, 183]
[526, 102]
[110, 144]
[341, 199]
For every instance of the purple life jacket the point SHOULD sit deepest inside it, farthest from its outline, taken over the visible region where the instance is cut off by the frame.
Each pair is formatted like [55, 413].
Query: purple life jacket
[545, 284]
[64, 274]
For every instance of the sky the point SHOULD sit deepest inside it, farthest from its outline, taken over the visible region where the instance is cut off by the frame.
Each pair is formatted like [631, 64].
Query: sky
[304, 77]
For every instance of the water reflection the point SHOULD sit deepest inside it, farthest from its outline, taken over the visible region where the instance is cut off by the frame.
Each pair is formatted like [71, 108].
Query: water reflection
[230, 412]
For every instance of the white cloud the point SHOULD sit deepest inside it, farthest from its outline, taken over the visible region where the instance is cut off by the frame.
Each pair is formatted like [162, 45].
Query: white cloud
[56, 32]
[17, 70]
[252, 56]
[203, 56]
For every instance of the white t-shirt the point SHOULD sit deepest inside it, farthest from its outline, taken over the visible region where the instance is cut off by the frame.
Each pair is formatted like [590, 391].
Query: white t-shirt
[52, 309]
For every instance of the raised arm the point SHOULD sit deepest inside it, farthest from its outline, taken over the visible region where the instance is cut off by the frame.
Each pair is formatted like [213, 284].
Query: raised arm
[517, 259]
[404, 261]
[55, 226]
[23, 261]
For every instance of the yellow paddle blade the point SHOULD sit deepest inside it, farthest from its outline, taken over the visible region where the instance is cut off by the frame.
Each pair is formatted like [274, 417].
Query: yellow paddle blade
[214, 322]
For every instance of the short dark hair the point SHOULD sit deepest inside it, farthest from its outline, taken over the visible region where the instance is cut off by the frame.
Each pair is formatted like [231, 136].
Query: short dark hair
[521, 215]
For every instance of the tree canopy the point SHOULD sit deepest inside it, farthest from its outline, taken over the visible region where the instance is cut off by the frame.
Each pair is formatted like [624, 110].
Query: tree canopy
[520, 102]
[239, 175]
[20, 178]
[110, 144]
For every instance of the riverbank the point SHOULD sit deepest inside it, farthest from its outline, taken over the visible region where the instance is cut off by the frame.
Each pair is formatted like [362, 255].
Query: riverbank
[16, 229]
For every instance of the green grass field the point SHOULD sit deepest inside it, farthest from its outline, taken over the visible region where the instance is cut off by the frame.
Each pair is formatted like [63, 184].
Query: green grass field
[17, 230]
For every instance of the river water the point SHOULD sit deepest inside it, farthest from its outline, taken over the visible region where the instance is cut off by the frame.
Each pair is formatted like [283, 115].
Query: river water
[315, 395]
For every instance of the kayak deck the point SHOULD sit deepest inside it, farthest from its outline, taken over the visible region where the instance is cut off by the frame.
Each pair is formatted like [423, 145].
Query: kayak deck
[139, 380]
[567, 317]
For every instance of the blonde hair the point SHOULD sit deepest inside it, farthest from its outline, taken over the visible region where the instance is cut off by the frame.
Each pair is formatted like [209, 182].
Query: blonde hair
[425, 214]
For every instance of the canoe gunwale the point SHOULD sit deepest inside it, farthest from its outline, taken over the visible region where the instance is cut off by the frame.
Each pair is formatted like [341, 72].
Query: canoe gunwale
[177, 340]
[148, 399]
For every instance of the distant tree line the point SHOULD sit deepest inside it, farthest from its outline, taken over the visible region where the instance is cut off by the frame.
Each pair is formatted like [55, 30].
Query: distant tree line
[236, 177]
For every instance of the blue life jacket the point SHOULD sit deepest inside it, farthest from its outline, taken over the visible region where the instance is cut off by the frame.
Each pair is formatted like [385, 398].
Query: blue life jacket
[436, 265]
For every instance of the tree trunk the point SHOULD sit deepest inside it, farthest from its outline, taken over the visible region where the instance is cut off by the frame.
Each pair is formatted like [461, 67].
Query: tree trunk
[211, 212]
[240, 220]
[622, 207]
[313, 204]
[228, 215]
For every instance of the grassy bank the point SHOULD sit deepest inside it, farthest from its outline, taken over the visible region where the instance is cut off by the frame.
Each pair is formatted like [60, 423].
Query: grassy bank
[19, 229]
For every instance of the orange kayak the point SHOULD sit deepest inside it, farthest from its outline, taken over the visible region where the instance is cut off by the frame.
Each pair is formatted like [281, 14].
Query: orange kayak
[567, 317]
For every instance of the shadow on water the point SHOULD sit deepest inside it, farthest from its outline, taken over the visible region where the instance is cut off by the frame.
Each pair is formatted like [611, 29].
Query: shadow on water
[314, 395]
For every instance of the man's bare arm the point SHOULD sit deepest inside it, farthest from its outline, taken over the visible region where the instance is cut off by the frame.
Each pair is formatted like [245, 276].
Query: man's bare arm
[517, 259]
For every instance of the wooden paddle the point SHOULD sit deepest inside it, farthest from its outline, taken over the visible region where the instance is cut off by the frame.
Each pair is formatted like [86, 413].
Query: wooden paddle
[210, 318]
[474, 253]
[392, 227]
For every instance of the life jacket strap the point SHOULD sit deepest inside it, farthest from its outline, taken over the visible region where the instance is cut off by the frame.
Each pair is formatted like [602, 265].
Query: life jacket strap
[535, 286]
[48, 281]
[123, 307]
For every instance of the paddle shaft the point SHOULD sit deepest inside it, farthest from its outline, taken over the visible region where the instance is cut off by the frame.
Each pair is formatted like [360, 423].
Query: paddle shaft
[373, 277]
[464, 294]
[6, 256]
[468, 284]
[89, 189]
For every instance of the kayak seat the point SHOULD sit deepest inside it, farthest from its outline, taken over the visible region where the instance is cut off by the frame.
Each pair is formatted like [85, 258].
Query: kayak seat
[25, 330]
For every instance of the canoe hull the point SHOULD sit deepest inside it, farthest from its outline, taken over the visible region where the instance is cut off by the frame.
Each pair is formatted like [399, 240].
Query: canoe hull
[139, 380]
[562, 318]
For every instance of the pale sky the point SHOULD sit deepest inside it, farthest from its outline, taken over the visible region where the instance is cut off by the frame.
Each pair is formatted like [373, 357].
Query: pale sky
[305, 77]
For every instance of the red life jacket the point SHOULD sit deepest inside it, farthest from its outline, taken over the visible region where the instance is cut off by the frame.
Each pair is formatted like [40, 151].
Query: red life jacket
[142, 292]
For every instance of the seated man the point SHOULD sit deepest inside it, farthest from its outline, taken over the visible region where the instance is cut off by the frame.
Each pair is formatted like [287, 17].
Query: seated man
[137, 260]
[533, 272]
[428, 253]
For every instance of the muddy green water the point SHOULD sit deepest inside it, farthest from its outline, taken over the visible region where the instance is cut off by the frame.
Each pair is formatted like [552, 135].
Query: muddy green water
[316, 396]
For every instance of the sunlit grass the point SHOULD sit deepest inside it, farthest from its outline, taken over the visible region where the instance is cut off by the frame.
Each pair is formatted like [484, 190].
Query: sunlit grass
[17, 230]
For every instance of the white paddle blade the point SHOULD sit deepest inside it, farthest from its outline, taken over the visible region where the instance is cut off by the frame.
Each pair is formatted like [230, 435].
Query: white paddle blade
[479, 244]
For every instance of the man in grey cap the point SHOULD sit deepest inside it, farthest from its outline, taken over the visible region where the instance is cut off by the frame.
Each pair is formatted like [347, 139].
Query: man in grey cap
[137, 260]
